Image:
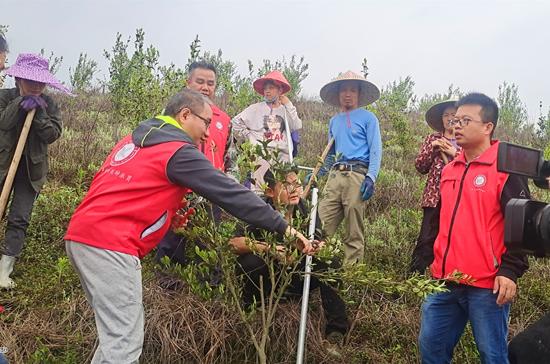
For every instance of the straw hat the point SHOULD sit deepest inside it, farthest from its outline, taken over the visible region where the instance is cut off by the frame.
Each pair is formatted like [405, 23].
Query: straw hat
[330, 93]
[434, 115]
[277, 77]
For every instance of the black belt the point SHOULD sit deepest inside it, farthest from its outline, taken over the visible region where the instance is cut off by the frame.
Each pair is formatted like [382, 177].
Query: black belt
[358, 167]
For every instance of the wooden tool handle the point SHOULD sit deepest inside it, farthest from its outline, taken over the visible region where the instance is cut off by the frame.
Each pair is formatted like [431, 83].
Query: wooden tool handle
[317, 168]
[8, 183]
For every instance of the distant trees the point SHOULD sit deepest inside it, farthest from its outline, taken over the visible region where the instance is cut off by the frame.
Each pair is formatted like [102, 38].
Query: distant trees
[139, 85]
[81, 77]
[512, 110]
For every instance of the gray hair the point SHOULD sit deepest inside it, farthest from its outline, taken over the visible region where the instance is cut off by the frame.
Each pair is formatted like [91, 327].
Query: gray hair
[186, 98]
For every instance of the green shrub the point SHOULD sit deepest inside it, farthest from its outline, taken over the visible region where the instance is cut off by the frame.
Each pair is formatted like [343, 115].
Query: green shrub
[138, 85]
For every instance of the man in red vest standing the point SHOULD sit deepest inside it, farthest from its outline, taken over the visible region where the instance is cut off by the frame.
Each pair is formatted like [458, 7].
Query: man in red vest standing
[469, 252]
[202, 77]
[130, 206]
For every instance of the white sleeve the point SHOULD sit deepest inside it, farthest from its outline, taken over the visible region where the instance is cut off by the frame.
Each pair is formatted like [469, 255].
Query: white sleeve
[239, 125]
[294, 121]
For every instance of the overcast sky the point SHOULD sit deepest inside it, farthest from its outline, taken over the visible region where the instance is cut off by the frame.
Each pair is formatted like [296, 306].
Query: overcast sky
[473, 44]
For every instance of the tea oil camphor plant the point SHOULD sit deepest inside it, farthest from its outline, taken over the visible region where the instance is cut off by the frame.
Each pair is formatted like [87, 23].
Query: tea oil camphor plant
[259, 318]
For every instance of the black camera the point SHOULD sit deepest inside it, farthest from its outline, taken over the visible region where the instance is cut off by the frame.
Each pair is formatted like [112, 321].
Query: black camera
[527, 222]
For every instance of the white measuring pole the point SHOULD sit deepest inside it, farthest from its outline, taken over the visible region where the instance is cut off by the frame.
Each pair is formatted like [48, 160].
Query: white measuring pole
[288, 137]
[307, 280]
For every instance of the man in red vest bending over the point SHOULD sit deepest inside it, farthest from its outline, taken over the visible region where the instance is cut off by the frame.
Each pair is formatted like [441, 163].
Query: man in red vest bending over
[129, 208]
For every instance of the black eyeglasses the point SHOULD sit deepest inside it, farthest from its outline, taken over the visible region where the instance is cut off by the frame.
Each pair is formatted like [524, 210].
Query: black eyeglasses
[206, 121]
[463, 122]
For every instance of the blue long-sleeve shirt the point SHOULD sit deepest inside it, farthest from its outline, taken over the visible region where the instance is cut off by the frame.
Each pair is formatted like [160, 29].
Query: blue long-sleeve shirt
[357, 137]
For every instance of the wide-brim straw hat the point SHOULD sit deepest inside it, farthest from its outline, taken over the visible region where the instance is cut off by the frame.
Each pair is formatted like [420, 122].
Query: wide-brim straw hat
[434, 115]
[369, 93]
[275, 76]
[35, 68]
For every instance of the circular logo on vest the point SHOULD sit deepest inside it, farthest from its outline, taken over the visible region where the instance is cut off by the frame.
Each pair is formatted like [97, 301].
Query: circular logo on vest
[219, 125]
[480, 180]
[124, 154]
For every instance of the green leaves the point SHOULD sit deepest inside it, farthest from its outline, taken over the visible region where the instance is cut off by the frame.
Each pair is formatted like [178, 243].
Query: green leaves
[53, 60]
[393, 108]
[3, 30]
[138, 85]
[512, 110]
[81, 77]
[361, 277]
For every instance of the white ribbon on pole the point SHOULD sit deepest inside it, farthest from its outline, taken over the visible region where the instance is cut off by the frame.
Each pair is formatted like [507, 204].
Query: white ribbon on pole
[307, 280]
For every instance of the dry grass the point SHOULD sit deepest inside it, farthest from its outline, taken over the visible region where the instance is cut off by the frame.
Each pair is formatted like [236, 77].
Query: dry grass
[180, 328]
[69, 324]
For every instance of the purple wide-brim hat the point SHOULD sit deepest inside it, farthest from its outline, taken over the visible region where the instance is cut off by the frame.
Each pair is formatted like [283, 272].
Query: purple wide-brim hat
[35, 68]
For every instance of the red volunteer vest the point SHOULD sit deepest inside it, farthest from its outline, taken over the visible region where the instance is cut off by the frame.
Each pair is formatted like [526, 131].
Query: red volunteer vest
[131, 201]
[471, 231]
[214, 147]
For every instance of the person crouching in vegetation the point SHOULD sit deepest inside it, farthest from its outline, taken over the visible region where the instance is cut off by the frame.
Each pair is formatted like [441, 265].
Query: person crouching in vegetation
[283, 194]
[438, 149]
[32, 75]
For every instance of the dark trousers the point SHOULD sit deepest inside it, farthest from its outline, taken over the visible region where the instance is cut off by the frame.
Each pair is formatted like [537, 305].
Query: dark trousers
[20, 210]
[532, 346]
[423, 253]
[173, 246]
[255, 268]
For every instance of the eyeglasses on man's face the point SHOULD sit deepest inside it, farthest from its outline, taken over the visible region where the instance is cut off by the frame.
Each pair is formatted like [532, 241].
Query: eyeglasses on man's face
[205, 120]
[462, 122]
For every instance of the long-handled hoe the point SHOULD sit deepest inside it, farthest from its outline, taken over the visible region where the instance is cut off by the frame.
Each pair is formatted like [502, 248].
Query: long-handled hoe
[8, 183]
